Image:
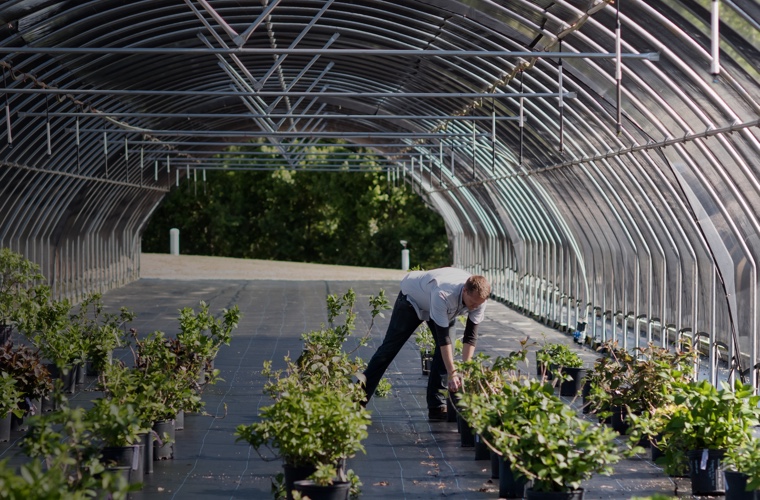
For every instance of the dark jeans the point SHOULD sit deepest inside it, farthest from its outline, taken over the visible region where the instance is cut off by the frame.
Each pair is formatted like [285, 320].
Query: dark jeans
[403, 323]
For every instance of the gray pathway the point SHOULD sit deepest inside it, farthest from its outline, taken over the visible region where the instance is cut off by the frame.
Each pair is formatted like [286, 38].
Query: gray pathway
[407, 456]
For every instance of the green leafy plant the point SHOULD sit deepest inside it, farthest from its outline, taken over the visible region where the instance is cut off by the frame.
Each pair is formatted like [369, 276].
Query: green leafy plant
[745, 458]
[18, 277]
[546, 441]
[700, 416]
[10, 396]
[317, 393]
[201, 335]
[102, 332]
[115, 424]
[383, 388]
[423, 337]
[67, 443]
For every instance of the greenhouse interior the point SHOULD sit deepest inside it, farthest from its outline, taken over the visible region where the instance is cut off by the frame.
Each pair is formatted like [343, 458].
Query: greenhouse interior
[595, 160]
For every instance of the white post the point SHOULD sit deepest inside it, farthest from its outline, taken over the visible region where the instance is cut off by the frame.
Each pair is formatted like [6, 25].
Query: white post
[174, 241]
[404, 257]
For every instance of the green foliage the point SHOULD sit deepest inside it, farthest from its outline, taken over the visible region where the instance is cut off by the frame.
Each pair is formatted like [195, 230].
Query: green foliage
[347, 218]
[639, 380]
[423, 337]
[700, 416]
[67, 442]
[316, 417]
[10, 396]
[17, 292]
[201, 336]
[551, 358]
[746, 459]
[115, 424]
[384, 388]
[102, 331]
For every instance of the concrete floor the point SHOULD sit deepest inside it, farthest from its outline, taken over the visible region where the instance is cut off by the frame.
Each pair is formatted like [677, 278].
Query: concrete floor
[407, 456]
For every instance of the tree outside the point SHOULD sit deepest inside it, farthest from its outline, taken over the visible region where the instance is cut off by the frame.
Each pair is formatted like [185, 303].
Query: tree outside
[343, 217]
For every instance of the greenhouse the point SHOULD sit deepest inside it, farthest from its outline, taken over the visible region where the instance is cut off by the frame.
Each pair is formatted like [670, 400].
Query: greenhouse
[595, 160]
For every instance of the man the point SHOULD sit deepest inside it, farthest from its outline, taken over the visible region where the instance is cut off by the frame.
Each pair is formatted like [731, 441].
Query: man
[437, 297]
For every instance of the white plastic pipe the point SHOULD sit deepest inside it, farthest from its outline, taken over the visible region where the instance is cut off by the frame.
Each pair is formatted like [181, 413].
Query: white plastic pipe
[174, 241]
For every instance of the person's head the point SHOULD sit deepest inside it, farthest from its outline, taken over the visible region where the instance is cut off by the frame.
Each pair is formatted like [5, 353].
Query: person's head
[476, 291]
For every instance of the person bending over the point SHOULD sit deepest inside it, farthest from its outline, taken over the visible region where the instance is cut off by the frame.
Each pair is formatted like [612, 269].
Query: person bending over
[437, 297]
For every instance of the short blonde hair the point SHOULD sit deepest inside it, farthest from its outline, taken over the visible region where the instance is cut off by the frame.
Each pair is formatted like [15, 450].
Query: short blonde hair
[478, 285]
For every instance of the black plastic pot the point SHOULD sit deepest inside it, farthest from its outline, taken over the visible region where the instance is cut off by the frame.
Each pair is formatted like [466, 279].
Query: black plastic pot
[736, 486]
[147, 441]
[117, 457]
[451, 410]
[585, 391]
[466, 436]
[511, 485]
[495, 460]
[571, 388]
[706, 472]
[426, 359]
[294, 473]
[337, 491]
[482, 451]
[5, 333]
[618, 419]
[163, 446]
[179, 421]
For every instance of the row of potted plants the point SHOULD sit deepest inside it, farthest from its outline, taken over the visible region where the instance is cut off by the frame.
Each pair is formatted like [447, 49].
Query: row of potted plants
[698, 429]
[316, 420]
[165, 379]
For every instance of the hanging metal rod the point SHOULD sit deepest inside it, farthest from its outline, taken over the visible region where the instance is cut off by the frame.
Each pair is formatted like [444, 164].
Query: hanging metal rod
[222, 93]
[299, 144]
[23, 114]
[337, 168]
[238, 133]
[234, 154]
[259, 51]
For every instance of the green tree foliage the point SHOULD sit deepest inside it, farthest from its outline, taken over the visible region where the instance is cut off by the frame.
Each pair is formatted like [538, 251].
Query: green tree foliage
[345, 217]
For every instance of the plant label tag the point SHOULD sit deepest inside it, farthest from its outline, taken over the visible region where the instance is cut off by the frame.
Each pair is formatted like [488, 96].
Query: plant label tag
[703, 463]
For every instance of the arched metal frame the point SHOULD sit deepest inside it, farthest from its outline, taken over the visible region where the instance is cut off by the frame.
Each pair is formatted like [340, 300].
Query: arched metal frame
[591, 181]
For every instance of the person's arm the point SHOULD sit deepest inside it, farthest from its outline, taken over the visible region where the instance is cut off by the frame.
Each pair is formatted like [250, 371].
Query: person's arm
[447, 353]
[469, 340]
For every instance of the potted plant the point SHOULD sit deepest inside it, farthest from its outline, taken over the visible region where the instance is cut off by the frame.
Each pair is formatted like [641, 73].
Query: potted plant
[118, 429]
[59, 339]
[18, 276]
[10, 398]
[102, 332]
[701, 425]
[32, 378]
[742, 471]
[316, 392]
[201, 335]
[423, 337]
[542, 439]
[66, 441]
[554, 359]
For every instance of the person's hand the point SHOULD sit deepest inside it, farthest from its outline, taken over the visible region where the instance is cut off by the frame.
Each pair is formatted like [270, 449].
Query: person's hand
[455, 382]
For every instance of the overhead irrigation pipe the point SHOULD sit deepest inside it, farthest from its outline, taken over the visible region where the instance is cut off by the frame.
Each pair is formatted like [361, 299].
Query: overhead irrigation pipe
[23, 114]
[259, 51]
[222, 93]
[242, 133]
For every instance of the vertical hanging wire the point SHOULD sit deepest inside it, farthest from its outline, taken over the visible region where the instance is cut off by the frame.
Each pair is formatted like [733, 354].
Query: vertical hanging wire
[473, 149]
[142, 163]
[561, 103]
[195, 182]
[7, 112]
[493, 137]
[47, 126]
[79, 156]
[155, 171]
[204, 181]
[126, 158]
[522, 116]
[715, 42]
[440, 163]
[618, 69]
[105, 150]
[452, 162]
